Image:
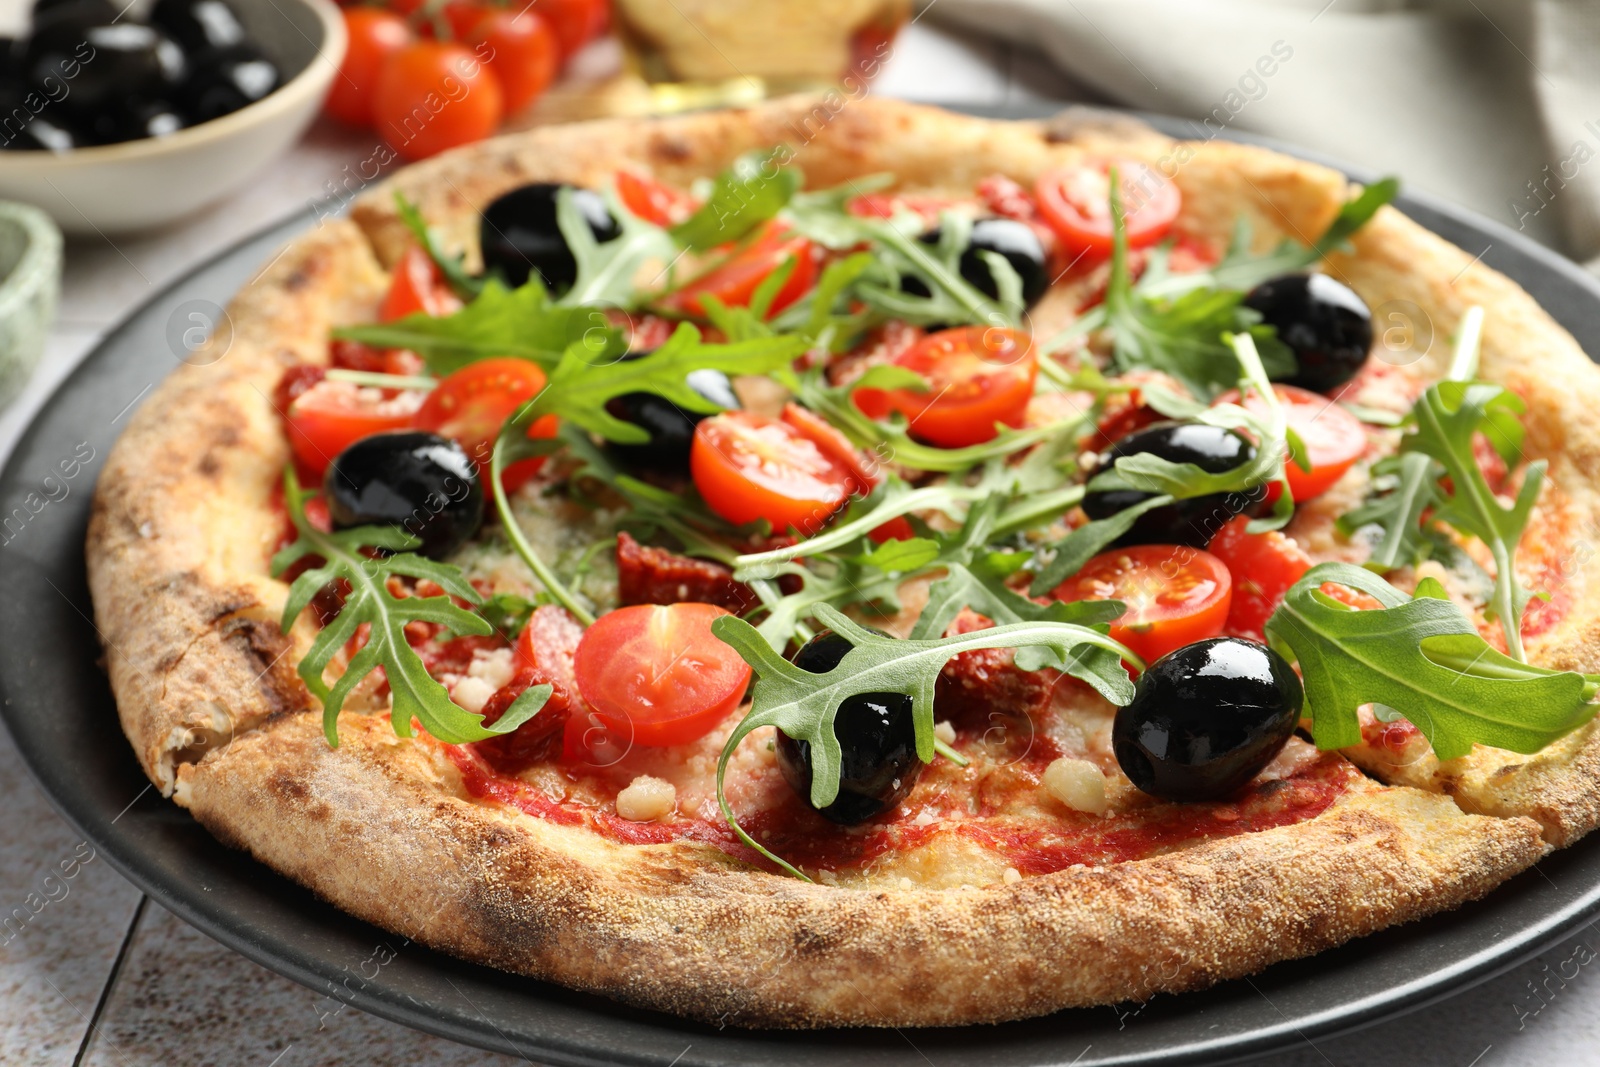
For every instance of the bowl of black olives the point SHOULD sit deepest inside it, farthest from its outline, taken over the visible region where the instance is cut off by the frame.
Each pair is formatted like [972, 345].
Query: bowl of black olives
[118, 117]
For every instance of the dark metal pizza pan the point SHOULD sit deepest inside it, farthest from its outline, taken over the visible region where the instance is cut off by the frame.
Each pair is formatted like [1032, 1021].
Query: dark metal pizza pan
[60, 711]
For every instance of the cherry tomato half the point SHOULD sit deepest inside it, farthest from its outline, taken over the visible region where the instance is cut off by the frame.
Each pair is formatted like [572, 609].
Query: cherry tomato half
[1263, 566]
[374, 35]
[417, 285]
[434, 95]
[523, 52]
[750, 467]
[656, 673]
[472, 404]
[1333, 437]
[328, 417]
[653, 201]
[1175, 595]
[977, 376]
[735, 281]
[1076, 202]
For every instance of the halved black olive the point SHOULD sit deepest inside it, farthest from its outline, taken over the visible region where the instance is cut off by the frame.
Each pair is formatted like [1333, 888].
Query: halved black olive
[1323, 321]
[1205, 719]
[1014, 240]
[519, 234]
[1190, 522]
[878, 743]
[421, 482]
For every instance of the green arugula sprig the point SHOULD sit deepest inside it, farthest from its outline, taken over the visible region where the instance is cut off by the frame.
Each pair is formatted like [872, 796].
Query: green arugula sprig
[452, 268]
[578, 390]
[416, 694]
[1424, 658]
[744, 196]
[607, 270]
[1438, 446]
[803, 705]
[522, 322]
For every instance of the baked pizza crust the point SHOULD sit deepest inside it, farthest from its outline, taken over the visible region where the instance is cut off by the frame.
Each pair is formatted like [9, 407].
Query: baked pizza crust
[184, 523]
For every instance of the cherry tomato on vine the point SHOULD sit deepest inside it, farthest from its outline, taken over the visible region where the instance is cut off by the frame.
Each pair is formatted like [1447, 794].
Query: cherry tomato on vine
[417, 285]
[434, 95]
[1076, 202]
[1263, 566]
[325, 418]
[656, 674]
[523, 51]
[472, 404]
[1176, 595]
[1333, 437]
[375, 35]
[750, 467]
[575, 22]
[977, 376]
[735, 281]
[653, 201]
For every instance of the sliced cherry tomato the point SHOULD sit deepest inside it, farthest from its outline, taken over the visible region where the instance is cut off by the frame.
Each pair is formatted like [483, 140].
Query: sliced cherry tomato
[328, 417]
[353, 355]
[836, 446]
[575, 22]
[472, 404]
[750, 467]
[977, 376]
[1076, 202]
[1175, 595]
[524, 53]
[656, 674]
[434, 95]
[653, 201]
[1263, 566]
[417, 285]
[1333, 437]
[374, 35]
[735, 281]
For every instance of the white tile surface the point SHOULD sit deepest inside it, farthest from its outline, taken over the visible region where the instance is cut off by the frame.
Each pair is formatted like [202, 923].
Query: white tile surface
[180, 998]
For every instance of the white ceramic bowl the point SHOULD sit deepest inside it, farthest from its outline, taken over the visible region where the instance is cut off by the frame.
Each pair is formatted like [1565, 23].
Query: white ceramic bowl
[141, 184]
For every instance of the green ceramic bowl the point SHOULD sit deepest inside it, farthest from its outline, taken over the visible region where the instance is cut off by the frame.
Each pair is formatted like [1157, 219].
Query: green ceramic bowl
[30, 281]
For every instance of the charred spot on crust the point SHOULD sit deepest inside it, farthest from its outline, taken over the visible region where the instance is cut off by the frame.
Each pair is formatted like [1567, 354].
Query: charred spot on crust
[669, 149]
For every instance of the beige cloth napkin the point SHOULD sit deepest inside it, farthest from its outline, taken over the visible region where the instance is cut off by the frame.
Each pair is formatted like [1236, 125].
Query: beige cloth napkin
[1494, 104]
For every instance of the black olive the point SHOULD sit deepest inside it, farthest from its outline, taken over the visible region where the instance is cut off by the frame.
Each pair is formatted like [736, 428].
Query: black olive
[419, 481]
[671, 428]
[1014, 240]
[130, 122]
[1205, 719]
[1190, 522]
[199, 25]
[519, 234]
[877, 739]
[1323, 321]
[104, 65]
[223, 82]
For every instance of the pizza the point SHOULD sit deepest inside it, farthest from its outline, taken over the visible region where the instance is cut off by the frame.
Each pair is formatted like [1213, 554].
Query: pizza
[867, 566]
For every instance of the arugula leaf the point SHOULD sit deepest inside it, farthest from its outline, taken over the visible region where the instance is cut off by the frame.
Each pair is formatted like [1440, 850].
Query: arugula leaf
[951, 298]
[1182, 336]
[1243, 270]
[466, 286]
[743, 197]
[803, 705]
[1422, 657]
[508, 613]
[1088, 540]
[521, 322]
[416, 693]
[606, 270]
[1408, 485]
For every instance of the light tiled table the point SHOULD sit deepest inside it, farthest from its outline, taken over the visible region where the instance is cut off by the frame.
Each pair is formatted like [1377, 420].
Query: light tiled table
[101, 976]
